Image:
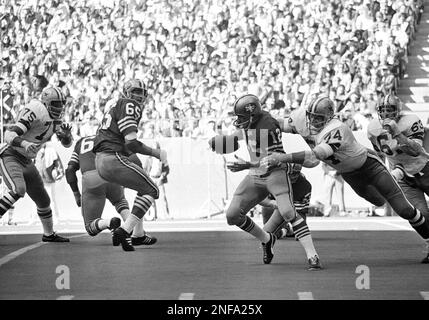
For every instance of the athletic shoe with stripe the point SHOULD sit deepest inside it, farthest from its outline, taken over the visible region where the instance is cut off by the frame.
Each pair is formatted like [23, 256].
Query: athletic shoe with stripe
[115, 222]
[314, 263]
[145, 240]
[122, 237]
[54, 238]
[268, 249]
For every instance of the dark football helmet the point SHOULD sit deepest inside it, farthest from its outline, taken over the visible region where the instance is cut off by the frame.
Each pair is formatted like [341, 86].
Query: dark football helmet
[247, 109]
[135, 89]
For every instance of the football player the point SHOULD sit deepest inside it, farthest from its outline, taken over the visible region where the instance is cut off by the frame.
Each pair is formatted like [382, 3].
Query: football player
[36, 124]
[263, 136]
[399, 137]
[95, 191]
[332, 142]
[115, 141]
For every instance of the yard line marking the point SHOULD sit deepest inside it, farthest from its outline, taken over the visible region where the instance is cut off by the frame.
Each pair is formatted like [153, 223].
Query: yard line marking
[65, 297]
[305, 296]
[407, 228]
[187, 296]
[21, 251]
[425, 295]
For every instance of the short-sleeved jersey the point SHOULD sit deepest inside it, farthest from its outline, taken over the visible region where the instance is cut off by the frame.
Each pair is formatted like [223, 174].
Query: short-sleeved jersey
[83, 157]
[120, 120]
[349, 154]
[37, 125]
[412, 127]
[262, 139]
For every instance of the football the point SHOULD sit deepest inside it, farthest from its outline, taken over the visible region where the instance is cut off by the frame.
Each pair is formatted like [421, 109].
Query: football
[223, 144]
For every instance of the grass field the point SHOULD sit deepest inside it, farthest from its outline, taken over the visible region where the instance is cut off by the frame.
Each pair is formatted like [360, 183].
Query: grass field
[208, 260]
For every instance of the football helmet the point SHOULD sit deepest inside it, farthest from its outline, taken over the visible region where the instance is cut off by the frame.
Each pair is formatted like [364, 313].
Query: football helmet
[318, 113]
[389, 108]
[247, 109]
[54, 100]
[135, 89]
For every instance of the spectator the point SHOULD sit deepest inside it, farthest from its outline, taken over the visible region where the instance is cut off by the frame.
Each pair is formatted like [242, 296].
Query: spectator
[246, 47]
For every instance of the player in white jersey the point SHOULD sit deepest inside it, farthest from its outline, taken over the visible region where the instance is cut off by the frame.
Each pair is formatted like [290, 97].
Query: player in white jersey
[333, 142]
[36, 124]
[399, 137]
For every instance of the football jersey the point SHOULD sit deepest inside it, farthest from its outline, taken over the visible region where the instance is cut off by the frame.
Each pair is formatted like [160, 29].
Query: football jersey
[120, 120]
[37, 125]
[349, 154]
[262, 139]
[411, 126]
[82, 156]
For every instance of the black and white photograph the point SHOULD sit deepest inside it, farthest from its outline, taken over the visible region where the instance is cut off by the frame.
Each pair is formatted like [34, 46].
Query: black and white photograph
[214, 156]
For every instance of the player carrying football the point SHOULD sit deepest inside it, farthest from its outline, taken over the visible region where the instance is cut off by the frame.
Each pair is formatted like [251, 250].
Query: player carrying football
[115, 141]
[263, 137]
[333, 142]
[399, 137]
[95, 190]
[36, 124]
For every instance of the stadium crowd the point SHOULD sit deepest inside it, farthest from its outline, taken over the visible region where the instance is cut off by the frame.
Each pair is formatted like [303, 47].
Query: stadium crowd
[197, 55]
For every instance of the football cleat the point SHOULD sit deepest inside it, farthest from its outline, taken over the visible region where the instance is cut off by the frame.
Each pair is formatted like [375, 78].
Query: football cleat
[122, 237]
[426, 259]
[115, 223]
[268, 249]
[54, 238]
[145, 240]
[314, 263]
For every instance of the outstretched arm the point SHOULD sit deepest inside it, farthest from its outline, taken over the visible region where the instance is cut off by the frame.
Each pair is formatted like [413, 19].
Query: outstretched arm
[138, 147]
[307, 158]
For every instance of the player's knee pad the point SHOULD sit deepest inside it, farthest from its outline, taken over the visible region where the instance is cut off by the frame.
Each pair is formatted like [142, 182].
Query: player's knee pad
[234, 216]
[286, 208]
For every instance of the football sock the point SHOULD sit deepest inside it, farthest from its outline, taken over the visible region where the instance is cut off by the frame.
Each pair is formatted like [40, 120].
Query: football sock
[103, 224]
[45, 215]
[124, 214]
[7, 201]
[130, 223]
[122, 208]
[420, 224]
[92, 228]
[141, 205]
[251, 227]
[302, 233]
[138, 230]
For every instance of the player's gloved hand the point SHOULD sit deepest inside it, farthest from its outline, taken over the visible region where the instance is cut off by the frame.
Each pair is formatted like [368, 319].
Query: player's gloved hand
[391, 126]
[65, 131]
[271, 161]
[30, 146]
[78, 198]
[239, 165]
